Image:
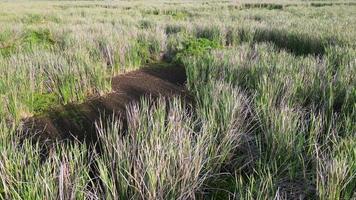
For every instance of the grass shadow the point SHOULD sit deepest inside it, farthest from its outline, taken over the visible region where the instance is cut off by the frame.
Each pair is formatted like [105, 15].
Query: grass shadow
[296, 43]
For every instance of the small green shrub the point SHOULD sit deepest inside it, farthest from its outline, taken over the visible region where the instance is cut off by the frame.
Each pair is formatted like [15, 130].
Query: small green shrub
[42, 38]
[43, 101]
[196, 47]
[29, 39]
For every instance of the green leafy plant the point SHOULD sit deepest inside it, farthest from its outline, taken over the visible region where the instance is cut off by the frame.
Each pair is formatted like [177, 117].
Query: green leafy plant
[43, 101]
[41, 37]
[196, 47]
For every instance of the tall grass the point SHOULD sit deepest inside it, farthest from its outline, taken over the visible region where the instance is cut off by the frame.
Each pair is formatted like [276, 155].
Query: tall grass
[24, 175]
[169, 154]
[291, 133]
[274, 93]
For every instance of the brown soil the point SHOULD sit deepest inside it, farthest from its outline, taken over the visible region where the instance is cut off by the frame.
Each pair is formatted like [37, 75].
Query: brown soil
[77, 121]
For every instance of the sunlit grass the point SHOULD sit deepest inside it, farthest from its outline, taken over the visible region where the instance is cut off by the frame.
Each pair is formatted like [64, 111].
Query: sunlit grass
[273, 86]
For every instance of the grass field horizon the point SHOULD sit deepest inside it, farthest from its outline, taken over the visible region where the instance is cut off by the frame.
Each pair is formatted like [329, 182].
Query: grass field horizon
[272, 84]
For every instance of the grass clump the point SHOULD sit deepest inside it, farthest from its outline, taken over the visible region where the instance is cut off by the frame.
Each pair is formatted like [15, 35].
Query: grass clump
[174, 28]
[39, 19]
[177, 14]
[191, 47]
[63, 175]
[145, 49]
[33, 18]
[43, 101]
[163, 171]
[7, 43]
[212, 33]
[42, 38]
[29, 39]
[146, 24]
[180, 15]
[281, 126]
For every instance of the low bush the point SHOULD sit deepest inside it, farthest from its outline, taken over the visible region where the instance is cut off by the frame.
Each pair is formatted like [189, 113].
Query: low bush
[41, 37]
[43, 101]
[195, 47]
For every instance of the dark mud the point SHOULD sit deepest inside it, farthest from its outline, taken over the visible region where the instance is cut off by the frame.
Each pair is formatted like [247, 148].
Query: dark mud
[77, 121]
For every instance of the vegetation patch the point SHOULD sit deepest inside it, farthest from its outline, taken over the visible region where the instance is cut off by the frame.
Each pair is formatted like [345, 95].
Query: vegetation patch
[39, 19]
[41, 102]
[7, 43]
[195, 47]
[269, 6]
[154, 11]
[178, 15]
[322, 4]
[146, 24]
[299, 44]
[28, 40]
[235, 36]
[41, 37]
[213, 33]
[174, 28]
[143, 49]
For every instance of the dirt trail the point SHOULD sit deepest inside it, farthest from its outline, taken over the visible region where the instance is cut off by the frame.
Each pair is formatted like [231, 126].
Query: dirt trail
[78, 120]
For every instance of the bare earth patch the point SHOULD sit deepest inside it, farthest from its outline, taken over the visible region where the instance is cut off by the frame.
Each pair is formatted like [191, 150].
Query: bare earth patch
[77, 121]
